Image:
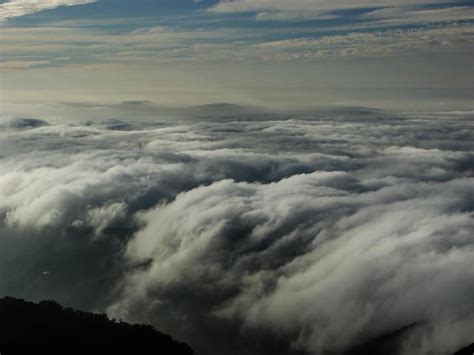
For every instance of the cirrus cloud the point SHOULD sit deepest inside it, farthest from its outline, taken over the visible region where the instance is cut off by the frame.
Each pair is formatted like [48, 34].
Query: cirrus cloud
[16, 8]
[313, 5]
[381, 11]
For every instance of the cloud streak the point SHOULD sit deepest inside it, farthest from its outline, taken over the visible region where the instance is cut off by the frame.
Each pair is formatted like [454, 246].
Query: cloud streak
[377, 12]
[16, 8]
[311, 5]
[135, 49]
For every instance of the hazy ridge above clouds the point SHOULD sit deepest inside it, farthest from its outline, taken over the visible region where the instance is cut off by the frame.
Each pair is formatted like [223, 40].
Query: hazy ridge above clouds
[304, 232]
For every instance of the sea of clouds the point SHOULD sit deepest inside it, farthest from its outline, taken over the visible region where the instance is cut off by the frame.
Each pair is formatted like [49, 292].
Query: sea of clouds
[274, 234]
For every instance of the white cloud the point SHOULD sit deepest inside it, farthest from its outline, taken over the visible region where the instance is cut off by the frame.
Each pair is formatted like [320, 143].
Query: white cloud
[278, 227]
[303, 254]
[16, 8]
[22, 64]
[392, 15]
[311, 5]
[150, 30]
[370, 44]
[395, 12]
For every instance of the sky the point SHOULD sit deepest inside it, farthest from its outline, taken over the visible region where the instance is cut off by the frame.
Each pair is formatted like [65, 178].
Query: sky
[273, 53]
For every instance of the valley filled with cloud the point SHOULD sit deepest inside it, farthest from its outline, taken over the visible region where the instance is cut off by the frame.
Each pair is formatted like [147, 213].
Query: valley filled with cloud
[258, 233]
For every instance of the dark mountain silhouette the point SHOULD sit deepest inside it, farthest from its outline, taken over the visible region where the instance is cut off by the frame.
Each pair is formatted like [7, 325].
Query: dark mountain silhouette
[47, 327]
[469, 350]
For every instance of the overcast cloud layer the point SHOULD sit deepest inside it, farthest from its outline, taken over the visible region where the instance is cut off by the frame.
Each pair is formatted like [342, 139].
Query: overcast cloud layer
[290, 233]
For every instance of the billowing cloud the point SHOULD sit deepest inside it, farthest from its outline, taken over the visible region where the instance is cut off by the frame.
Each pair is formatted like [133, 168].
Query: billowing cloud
[16, 8]
[303, 232]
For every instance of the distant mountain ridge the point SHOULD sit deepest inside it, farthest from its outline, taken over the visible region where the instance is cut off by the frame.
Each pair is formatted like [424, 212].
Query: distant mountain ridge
[48, 328]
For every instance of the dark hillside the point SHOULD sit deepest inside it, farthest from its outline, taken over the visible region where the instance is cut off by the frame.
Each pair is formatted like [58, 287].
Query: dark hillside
[47, 327]
[469, 350]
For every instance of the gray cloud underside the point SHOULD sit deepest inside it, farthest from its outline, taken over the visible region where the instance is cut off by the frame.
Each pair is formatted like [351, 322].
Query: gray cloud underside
[305, 233]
